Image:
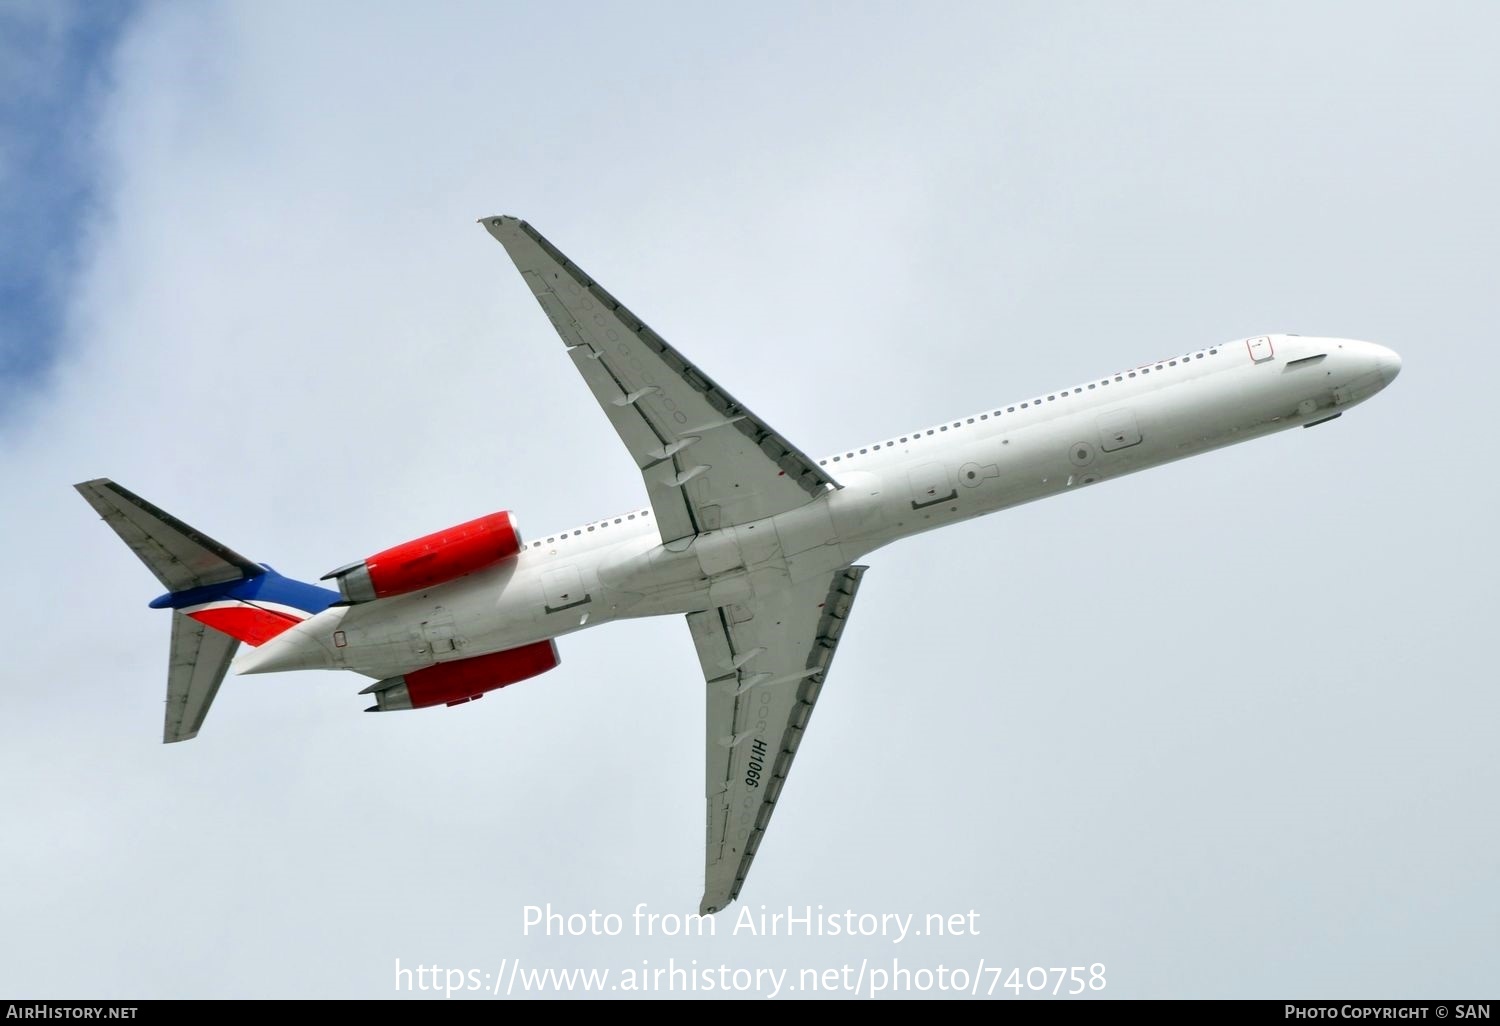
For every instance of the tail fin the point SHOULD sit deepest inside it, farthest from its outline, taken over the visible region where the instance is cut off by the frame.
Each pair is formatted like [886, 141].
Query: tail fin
[218, 599]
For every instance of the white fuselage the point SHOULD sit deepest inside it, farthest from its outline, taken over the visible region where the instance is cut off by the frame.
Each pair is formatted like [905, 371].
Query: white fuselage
[900, 485]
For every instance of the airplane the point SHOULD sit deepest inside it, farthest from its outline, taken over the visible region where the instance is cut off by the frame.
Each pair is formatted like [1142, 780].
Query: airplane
[754, 542]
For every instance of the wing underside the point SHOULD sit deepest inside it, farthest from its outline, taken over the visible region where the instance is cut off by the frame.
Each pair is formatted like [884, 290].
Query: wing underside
[765, 663]
[708, 461]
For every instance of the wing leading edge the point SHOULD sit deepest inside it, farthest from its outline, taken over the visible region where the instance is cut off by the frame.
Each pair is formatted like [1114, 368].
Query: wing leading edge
[765, 663]
[708, 462]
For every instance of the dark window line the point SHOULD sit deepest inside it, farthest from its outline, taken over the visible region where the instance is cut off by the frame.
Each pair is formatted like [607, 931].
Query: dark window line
[1103, 382]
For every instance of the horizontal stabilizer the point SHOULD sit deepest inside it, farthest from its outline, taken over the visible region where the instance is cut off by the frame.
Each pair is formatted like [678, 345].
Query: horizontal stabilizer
[200, 658]
[210, 586]
[180, 557]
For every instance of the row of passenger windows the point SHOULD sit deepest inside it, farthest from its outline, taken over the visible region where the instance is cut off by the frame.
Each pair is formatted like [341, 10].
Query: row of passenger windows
[917, 436]
[643, 514]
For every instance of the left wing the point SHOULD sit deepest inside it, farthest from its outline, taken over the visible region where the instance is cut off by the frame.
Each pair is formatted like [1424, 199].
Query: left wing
[765, 662]
[708, 462]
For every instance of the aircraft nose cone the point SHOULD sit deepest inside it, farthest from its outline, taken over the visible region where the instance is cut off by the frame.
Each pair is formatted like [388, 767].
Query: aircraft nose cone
[1390, 364]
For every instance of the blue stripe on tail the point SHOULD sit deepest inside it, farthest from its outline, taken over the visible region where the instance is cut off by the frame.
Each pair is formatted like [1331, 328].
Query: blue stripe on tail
[268, 586]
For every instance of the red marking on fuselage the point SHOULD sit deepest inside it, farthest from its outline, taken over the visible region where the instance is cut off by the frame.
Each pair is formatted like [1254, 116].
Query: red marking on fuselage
[250, 624]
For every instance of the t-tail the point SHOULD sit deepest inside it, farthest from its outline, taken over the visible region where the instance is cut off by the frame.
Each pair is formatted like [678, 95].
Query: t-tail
[218, 599]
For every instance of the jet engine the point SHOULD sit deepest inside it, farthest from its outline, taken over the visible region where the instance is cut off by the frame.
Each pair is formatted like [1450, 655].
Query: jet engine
[461, 680]
[430, 560]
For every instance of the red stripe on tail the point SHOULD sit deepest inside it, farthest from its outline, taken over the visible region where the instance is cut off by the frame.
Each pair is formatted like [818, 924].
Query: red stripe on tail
[250, 624]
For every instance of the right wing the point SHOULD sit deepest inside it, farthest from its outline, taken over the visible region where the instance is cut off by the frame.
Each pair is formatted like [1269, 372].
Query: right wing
[200, 658]
[709, 463]
[765, 662]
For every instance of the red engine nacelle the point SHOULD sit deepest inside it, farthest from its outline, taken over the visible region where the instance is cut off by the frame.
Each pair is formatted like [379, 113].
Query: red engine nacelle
[430, 560]
[463, 679]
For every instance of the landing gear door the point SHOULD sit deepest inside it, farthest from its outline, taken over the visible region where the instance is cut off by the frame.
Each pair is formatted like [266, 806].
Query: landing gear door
[1118, 430]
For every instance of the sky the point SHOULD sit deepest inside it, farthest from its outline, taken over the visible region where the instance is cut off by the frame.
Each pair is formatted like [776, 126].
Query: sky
[1224, 729]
